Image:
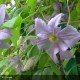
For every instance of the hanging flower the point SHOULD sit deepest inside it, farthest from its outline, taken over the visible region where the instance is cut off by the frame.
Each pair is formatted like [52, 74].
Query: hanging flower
[55, 40]
[16, 62]
[4, 33]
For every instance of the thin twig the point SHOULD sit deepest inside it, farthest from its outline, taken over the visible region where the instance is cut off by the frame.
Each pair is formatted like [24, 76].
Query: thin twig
[68, 12]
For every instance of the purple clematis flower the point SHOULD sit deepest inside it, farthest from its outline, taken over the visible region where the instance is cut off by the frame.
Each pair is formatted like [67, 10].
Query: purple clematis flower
[17, 63]
[55, 40]
[4, 33]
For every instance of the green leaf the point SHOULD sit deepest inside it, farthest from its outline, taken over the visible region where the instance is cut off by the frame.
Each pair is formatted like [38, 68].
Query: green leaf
[1, 1]
[2, 63]
[44, 71]
[14, 22]
[54, 68]
[62, 0]
[17, 3]
[6, 68]
[70, 67]
[43, 60]
[15, 35]
[25, 12]
[34, 51]
[73, 50]
[74, 19]
[43, 74]
[16, 12]
[78, 7]
[31, 2]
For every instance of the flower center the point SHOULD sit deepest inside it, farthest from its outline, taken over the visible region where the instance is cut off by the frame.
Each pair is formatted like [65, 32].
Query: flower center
[53, 38]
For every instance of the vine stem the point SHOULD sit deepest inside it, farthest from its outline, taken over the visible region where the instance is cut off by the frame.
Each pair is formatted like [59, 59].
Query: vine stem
[61, 67]
[68, 12]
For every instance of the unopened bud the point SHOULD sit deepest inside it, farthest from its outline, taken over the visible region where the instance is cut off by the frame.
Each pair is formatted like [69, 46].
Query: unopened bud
[20, 41]
[29, 64]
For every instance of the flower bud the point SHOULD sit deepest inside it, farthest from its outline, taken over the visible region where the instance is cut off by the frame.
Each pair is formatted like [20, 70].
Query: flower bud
[20, 41]
[29, 64]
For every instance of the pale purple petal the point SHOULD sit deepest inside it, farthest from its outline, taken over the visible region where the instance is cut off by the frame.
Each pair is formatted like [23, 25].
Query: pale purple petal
[62, 45]
[6, 17]
[31, 27]
[57, 30]
[2, 14]
[4, 33]
[69, 35]
[4, 45]
[65, 54]
[42, 43]
[42, 36]
[33, 40]
[40, 26]
[52, 51]
[54, 22]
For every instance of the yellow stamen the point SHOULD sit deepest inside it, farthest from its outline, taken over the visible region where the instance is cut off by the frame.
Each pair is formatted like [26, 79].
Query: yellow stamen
[53, 38]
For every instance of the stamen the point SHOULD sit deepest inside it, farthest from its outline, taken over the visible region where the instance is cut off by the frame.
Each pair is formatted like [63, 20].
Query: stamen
[53, 38]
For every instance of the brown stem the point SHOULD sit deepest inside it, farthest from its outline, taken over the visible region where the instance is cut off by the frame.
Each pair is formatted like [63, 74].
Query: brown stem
[61, 67]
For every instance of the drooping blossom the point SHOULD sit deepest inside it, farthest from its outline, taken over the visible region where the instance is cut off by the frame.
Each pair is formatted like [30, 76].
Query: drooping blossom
[16, 62]
[4, 33]
[54, 39]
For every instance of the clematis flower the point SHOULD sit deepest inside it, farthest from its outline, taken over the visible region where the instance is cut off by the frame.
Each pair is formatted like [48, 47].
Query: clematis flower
[4, 33]
[16, 62]
[54, 40]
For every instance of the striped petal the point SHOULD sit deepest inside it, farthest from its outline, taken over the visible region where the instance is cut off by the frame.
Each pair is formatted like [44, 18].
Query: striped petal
[4, 34]
[4, 45]
[40, 26]
[54, 22]
[69, 35]
[52, 51]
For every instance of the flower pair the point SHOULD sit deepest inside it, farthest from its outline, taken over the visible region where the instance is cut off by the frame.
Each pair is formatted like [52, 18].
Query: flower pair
[4, 33]
[54, 39]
